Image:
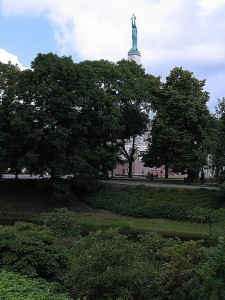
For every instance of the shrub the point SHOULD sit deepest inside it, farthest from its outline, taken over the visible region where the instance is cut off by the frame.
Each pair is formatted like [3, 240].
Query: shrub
[125, 204]
[212, 273]
[151, 243]
[108, 266]
[62, 223]
[33, 251]
[182, 261]
[17, 287]
[202, 215]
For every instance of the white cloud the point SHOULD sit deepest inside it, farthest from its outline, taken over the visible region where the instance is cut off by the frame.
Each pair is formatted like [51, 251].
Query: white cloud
[6, 57]
[170, 32]
[167, 30]
[210, 6]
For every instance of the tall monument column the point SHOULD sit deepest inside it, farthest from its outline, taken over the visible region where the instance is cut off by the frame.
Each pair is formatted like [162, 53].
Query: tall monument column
[134, 54]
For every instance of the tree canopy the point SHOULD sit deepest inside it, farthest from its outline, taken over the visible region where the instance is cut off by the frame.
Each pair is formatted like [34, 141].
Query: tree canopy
[79, 118]
[72, 118]
[180, 123]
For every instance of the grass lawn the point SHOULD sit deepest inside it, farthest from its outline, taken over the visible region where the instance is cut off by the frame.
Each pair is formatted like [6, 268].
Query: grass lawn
[143, 195]
[24, 201]
[165, 227]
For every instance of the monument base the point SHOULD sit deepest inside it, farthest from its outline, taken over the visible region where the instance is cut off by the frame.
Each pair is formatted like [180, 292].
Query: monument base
[135, 57]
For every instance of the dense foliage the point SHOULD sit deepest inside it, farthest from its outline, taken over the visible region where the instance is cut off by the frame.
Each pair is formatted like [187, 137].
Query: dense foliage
[216, 142]
[140, 201]
[180, 125]
[33, 251]
[65, 118]
[107, 265]
[14, 286]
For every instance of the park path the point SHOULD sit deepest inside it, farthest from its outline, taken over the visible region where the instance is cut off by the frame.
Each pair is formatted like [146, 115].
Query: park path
[159, 184]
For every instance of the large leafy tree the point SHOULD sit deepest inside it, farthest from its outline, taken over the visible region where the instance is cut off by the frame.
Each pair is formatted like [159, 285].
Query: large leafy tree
[180, 123]
[98, 116]
[136, 91]
[75, 113]
[216, 140]
[48, 91]
[65, 118]
[15, 120]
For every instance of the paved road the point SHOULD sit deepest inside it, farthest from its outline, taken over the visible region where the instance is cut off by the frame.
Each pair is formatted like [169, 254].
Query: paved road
[127, 181]
[159, 184]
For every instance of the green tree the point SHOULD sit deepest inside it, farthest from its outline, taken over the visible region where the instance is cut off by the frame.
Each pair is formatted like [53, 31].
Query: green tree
[217, 141]
[136, 91]
[15, 120]
[178, 129]
[98, 117]
[49, 89]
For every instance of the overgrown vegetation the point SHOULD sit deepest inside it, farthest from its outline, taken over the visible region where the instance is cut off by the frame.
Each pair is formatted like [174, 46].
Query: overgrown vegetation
[32, 251]
[106, 265]
[152, 202]
[14, 286]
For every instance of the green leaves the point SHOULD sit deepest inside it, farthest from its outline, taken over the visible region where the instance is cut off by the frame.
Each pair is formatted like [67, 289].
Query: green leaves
[13, 286]
[33, 251]
[181, 120]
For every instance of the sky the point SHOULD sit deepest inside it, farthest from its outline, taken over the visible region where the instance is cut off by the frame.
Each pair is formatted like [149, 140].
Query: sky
[171, 33]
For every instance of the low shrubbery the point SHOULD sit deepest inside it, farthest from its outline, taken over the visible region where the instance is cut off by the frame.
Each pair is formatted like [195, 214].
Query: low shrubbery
[106, 265]
[125, 204]
[190, 198]
[157, 203]
[62, 223]
[32, 250]
[17, 287]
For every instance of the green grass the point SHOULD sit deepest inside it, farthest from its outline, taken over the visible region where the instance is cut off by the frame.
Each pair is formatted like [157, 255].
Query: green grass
[188, 198]
[182, 229]
[23, 199]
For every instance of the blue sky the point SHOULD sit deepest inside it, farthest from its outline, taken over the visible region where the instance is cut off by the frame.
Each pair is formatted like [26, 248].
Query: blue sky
[27, 36]
[182, 33]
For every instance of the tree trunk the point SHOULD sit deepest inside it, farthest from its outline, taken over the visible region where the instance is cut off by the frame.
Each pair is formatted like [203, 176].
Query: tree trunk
[130, 166]
[166, 169]
[131, 158]
[112, 173]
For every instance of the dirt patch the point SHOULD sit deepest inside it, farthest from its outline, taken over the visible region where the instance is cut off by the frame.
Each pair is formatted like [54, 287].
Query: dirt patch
[24, 199]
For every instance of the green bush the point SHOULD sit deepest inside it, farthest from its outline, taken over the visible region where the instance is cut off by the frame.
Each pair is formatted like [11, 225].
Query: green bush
[107, 265]
[126, 204]
[212, 273]
[151, 243]
[202, 215]
[17, 287]
[33, 251]
[62, 223]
